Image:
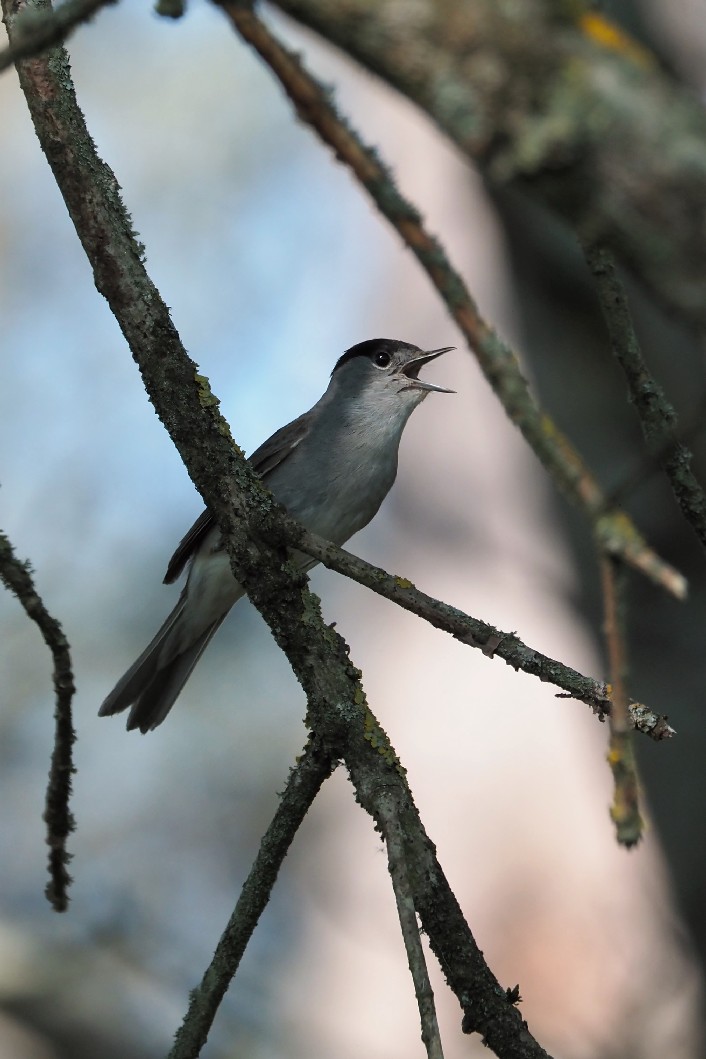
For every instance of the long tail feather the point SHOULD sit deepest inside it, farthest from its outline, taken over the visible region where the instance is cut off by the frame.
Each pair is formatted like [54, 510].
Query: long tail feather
[153, 682]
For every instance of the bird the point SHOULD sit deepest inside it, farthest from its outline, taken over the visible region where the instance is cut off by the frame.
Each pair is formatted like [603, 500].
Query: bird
[331, 469]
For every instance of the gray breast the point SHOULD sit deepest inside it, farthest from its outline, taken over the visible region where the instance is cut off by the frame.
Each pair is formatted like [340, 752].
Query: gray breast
[335, 482]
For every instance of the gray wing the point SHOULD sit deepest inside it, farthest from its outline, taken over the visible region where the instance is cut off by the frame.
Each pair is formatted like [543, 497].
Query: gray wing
[282, 444]
[271, 454]
[187, 546]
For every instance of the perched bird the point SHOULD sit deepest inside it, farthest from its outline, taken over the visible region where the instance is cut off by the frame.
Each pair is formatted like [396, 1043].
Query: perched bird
[331, 469]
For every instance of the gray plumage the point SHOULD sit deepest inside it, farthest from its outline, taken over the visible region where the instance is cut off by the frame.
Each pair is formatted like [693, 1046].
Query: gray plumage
[331, 469]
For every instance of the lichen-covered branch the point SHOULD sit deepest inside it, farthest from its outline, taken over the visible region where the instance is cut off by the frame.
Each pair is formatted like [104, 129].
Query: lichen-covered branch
[17, 577]
[305, 780]
[404, 898]
[475, 633]
[551, 99]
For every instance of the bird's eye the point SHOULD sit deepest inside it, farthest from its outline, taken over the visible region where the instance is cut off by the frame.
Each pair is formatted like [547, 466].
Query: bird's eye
[382, 360]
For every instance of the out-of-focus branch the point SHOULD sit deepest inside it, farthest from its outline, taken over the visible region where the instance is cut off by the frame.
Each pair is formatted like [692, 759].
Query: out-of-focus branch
[17, 577]
[553, 100]
[41, 27]
[305, 780]
[248, 518]
[313, 103]
[658, 419]
[625, 811]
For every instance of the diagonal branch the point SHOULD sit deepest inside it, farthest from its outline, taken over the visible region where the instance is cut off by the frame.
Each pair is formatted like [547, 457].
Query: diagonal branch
[304, 782]
[498, 362]
[397, 864]
[474, 632]
[17, 577]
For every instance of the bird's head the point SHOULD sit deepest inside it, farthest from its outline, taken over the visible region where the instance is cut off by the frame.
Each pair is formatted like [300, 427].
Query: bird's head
[385, 372]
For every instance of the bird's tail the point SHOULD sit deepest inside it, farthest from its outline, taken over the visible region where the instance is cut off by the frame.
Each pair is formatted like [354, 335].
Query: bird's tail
[153, 682]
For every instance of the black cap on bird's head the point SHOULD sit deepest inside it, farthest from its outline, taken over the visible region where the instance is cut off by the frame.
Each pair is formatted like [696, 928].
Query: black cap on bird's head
[402, 360]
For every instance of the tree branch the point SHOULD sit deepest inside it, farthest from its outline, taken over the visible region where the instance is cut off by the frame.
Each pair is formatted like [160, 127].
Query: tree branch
[498, 362]
[304, 782]
[17, 577]
[397, 864]
[553, 100]
[472, 631]
[625, 811]
[657, 417]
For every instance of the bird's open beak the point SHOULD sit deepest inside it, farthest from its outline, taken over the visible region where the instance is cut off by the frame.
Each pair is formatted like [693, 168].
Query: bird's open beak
[411, 370]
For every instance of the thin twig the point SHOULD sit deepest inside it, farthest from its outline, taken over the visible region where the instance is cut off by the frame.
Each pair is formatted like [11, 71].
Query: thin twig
[658, 419]
[304, 782]
[39, 28]
[397, 863]
[498, 362]
[17, 577]
[476, 633]
[625, 811]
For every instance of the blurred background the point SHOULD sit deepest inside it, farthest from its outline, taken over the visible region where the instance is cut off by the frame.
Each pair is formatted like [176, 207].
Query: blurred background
[274, 263]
